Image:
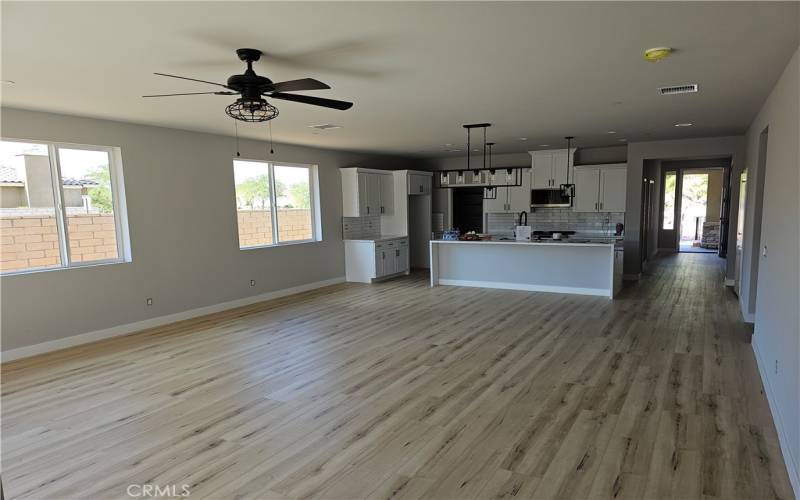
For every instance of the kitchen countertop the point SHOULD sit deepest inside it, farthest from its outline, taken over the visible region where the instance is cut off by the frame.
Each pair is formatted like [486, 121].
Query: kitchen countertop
[383, 237]
[543, 243]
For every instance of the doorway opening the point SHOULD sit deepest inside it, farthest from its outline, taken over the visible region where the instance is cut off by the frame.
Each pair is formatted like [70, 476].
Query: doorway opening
[700, 205]
[693, 211]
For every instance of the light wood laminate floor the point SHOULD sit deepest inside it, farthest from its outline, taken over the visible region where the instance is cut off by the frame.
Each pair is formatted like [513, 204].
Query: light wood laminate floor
[397, 390]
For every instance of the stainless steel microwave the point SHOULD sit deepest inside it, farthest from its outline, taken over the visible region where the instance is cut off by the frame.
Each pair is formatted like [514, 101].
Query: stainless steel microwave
[544, 198]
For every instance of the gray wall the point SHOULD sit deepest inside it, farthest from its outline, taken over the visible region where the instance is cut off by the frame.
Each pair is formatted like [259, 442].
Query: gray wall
[681, 149]
[182, 217]
[777, 320]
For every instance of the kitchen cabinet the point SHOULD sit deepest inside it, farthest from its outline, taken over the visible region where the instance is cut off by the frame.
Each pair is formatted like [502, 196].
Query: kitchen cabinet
[370, 260]
[386, 194]
[549, 168]
[367, 192]
[419, 184]
[600, 188]
[513, 199]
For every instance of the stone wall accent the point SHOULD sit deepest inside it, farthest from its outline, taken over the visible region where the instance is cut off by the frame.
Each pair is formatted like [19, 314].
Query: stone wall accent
[255, 226]
[31, 242]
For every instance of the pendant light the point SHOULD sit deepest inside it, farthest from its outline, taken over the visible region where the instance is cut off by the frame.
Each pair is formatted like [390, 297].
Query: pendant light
[568, 189]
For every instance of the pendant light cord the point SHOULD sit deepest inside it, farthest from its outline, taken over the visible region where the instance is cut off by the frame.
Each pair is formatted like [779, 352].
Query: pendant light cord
[236, 131]
[271, 150]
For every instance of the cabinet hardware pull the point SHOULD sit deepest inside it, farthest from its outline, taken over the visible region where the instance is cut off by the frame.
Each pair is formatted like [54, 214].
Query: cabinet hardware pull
[367, 208]
[595, 206]
[420, 188]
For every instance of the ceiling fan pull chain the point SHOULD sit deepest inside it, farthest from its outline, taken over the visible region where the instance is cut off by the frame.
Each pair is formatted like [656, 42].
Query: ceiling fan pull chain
[236, 131]
[271, 150]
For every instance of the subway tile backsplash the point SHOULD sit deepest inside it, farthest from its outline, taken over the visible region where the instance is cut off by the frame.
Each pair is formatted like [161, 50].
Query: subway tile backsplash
[361, 228]
[557, 219]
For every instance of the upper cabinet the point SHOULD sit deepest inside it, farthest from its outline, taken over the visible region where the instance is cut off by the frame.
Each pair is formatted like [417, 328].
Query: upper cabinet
[419, 184]
[600, 188]
[367, 192]
[511, 199]
[549, 168]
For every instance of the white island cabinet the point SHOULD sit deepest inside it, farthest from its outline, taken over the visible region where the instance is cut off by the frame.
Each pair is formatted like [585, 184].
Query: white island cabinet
[577, 268]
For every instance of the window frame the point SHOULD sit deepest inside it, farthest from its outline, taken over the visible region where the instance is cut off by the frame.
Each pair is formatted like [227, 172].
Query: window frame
[60, 210]
[313, 193]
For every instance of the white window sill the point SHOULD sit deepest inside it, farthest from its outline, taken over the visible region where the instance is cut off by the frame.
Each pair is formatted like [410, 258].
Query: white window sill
[67, 268]
[282, 244]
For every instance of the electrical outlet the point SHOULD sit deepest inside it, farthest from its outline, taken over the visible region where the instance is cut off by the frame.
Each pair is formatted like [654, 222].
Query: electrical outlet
[149, 301]
[252, 282]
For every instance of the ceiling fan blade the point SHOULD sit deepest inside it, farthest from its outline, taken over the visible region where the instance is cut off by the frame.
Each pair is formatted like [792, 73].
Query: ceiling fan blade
[316, 101]
[193, 93]
[191, 79]
[302, 84]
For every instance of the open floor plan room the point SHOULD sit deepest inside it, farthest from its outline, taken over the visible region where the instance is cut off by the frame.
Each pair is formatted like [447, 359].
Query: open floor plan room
[347, 392]
[400, 250]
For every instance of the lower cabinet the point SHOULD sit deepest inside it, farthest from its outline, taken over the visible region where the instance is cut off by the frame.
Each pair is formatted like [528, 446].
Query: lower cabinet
[369, 260]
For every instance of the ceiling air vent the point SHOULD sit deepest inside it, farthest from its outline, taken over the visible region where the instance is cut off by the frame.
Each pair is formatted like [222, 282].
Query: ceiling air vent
[678, 89]
[325, 126]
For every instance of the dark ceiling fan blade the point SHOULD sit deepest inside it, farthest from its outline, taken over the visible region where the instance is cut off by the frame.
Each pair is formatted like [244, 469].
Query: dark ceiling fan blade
[191, 79]
[193, 93]
[316, 101]
[302, 84]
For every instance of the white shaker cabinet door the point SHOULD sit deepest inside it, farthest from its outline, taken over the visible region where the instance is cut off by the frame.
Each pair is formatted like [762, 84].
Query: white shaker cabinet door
[587, 190]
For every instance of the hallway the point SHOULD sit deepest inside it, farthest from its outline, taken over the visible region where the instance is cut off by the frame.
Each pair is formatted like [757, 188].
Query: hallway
[400, 390]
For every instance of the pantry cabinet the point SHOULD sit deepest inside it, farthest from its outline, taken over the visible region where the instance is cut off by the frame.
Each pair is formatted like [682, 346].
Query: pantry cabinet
[367, 192]
[600, 188]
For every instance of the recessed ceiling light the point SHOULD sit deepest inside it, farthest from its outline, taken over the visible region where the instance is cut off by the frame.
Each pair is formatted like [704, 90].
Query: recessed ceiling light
[325, 126]
[684, 124]
[622, 140]
[7, 82]
[523, 138]
[476, 150]
[544, 145]
[611, 132]
[448, 145]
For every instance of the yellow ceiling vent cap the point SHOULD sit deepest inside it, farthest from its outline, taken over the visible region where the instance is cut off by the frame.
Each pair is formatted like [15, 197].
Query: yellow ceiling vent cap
[657, 53]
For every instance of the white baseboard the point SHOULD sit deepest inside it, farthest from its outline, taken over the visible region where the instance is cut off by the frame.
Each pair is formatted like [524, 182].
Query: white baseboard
[792, 465]
[526, 287]
[116, 331]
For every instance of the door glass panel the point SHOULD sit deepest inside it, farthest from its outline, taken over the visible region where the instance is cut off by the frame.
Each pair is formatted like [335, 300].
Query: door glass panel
[89, 204]
[253, 212]
[28, 226]
[670, 180]
[293, 201]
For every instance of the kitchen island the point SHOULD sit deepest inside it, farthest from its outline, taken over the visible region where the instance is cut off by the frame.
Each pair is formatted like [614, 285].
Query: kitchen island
[585, 268]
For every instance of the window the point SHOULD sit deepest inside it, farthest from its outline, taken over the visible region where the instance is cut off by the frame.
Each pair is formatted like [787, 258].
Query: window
[670, 179]
[59, 206]
[276, 203]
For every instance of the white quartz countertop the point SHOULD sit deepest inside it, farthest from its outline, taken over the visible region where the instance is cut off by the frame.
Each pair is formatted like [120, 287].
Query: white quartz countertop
[565, 243]
[383, 237]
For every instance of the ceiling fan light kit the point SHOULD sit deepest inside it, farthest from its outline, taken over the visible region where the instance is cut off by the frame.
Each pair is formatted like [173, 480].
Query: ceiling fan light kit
[252, 106]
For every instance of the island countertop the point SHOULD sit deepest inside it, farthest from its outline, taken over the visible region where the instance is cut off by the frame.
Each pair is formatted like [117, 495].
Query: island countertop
[577, 267]
[543, 243]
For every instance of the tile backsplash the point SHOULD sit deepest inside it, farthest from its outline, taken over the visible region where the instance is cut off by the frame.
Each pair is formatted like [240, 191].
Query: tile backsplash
[557, 219]
[361, 228]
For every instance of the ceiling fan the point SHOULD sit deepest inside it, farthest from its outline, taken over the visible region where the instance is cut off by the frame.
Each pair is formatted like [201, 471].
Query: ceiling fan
[252, 105]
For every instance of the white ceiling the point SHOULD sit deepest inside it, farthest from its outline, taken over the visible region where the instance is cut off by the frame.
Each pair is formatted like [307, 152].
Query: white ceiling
[416, 71]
